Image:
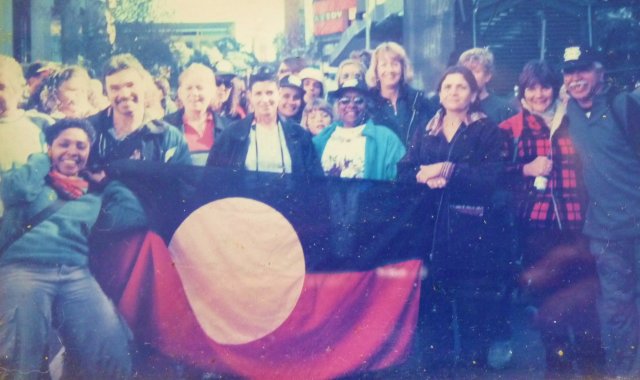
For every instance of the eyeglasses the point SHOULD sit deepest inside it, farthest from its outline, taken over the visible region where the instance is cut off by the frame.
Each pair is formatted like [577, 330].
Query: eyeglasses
[344, 101]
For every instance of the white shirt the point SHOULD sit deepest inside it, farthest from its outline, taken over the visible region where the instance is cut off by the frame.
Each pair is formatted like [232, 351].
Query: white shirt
[268, 150]
[343, 156]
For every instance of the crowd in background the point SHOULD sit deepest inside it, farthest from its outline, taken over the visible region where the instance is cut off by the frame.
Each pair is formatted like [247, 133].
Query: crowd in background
[538, 198]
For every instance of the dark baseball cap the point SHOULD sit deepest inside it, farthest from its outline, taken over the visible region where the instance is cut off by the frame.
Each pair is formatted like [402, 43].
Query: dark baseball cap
[578, 57]
[292, 81]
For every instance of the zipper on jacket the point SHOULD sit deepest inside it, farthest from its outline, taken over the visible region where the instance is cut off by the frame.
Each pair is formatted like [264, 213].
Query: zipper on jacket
[413, 115]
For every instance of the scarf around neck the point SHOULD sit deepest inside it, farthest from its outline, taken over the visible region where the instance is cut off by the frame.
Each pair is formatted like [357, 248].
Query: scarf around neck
[68, 187]
[552, 117]
[435, 125]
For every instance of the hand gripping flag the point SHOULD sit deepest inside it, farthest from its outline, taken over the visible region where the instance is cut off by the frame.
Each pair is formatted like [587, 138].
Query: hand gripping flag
[265, 276]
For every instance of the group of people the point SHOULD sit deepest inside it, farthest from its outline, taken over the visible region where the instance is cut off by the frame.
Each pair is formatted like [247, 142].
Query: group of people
[536, 196]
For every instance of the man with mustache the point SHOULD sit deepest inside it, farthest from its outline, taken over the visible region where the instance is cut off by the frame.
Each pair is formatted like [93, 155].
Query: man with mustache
[605, 128]
[122, 130]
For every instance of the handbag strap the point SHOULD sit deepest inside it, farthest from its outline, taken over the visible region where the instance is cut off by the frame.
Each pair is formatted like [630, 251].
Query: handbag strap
[34, 221]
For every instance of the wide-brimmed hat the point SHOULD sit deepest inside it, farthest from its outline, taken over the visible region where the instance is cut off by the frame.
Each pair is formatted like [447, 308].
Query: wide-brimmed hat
[353, 84]
[311, 73]
[578, 57]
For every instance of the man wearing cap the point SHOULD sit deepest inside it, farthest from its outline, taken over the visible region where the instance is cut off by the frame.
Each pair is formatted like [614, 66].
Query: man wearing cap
[262, 141]
[291, 93]
[605, 128]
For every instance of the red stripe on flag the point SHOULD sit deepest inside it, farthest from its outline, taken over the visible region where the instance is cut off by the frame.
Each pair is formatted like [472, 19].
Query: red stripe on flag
[343, 322]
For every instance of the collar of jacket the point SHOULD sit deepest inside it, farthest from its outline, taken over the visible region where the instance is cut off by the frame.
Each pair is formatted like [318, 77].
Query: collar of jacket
[103, 121]
[240, 129]
[367, 131]
[176, 118]
[406, 92]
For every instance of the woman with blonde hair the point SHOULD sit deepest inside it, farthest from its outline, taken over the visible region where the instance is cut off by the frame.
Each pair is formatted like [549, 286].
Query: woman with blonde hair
[395, 103]
[350, 68]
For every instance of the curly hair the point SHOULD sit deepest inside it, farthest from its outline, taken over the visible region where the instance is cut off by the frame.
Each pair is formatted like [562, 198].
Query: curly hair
[53, 131]
[50, 94]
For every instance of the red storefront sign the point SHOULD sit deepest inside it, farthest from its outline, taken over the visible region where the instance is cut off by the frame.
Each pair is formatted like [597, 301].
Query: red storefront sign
[331, 16]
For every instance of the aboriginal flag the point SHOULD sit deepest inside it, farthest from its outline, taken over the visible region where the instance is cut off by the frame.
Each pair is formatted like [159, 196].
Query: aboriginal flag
[260, 275]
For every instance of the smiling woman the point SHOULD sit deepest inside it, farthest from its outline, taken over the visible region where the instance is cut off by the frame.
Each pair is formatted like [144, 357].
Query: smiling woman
[69, 151]
[551, 205]
[45, 282]
[355, 147]
[396, 105]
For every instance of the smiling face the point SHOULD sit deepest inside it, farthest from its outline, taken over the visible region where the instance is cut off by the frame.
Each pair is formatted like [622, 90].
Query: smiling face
[352, 108]
[69, 151]
[290, 101]
[456, 95]
[264, 99]
[583, 84]
[539, 98]
[389, 70]
[196, 92]
[125, 90]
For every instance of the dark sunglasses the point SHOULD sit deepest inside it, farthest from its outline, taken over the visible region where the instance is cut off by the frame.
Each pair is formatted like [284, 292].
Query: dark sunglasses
[344, 101]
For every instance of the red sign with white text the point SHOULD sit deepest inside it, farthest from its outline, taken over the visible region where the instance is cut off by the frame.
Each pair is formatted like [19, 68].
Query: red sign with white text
[331, 16]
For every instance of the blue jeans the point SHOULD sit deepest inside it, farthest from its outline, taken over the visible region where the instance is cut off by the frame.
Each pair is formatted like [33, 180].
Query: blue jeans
[36, 298]
[618, 265]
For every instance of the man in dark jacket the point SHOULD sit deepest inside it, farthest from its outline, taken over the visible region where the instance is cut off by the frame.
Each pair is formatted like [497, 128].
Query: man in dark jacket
[262, 141]
[605, 127]
[122, 131]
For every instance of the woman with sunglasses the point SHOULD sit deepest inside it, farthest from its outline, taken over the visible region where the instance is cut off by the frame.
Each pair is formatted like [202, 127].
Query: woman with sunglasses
[461, 153]
[45, 281]
[354, 147]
